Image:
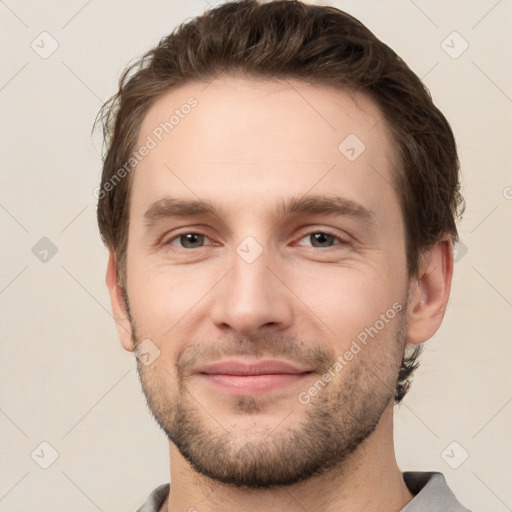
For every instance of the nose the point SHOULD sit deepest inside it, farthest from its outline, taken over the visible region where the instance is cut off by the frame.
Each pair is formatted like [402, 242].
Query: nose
[251, 297]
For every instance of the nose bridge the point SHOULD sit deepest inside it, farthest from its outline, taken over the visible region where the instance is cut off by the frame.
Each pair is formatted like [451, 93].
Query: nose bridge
[250, 274]
[251, 296]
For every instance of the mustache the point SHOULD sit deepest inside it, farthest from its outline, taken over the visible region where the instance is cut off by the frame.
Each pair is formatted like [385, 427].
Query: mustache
[310, 354]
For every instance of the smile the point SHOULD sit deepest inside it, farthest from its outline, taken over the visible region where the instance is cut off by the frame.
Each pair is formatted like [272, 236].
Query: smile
[243, 377]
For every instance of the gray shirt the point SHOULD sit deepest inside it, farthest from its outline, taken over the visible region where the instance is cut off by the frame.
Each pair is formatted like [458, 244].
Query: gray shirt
[431, 494]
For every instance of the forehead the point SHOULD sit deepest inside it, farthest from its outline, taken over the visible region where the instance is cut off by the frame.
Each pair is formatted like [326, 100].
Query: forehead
[255, 106]
[236, 138]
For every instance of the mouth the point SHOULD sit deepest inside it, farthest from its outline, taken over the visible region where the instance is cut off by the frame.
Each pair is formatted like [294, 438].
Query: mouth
[245, 377]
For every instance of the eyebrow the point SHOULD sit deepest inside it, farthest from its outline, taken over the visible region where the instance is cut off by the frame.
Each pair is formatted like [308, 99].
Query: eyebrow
[169, 207]
[327, 205]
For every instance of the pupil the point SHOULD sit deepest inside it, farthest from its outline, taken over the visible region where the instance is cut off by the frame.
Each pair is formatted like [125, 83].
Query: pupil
[321, 238]
[191, 239]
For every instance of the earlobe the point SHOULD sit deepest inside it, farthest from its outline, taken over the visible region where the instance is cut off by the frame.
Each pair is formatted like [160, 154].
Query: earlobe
[429, 292]
[119, 309]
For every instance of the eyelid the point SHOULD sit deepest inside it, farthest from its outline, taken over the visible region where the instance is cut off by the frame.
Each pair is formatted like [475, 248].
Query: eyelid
[306, 232]
[310, 231]
[167, 239]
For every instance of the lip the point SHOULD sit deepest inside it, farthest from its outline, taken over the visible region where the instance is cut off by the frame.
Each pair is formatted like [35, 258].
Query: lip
[248, 377]
[251, 367]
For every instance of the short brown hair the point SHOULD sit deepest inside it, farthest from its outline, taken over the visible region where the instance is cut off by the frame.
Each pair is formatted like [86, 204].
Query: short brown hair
[288, 39]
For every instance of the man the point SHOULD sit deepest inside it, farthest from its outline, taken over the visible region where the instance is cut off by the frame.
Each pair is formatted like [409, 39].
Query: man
[279, 197]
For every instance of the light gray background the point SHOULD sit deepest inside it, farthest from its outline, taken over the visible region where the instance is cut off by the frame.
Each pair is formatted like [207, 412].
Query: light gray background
[65, 378]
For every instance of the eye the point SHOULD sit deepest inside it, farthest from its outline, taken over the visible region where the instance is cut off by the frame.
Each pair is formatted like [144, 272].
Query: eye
[189, 240]
[321, 239]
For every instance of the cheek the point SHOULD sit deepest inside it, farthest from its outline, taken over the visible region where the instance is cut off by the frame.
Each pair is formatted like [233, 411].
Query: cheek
[173, 301]
[162, 297]
[349, 300]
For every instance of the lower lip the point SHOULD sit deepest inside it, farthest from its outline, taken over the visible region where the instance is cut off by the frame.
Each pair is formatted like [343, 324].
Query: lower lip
[252, 384]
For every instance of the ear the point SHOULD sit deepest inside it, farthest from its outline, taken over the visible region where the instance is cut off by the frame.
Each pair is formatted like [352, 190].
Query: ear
[429, 292]
[121, 317]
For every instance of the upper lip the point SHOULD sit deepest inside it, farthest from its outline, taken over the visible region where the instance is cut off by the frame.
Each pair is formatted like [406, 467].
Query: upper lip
[245, 367]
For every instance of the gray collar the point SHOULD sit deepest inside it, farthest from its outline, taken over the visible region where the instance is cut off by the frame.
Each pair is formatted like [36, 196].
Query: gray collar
[431, 494]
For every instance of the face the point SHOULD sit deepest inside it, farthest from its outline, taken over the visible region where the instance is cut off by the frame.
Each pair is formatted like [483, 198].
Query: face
[266, 263]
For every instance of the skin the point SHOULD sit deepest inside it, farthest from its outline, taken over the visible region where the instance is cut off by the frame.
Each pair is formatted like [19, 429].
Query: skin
[247, 147]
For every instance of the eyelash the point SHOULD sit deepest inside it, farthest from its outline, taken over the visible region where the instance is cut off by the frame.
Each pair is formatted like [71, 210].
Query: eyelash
[304, 235]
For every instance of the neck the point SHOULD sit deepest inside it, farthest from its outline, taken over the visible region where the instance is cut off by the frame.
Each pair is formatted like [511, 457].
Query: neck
[369, 480]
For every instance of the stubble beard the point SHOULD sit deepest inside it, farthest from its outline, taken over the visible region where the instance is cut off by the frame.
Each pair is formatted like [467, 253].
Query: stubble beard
[328, 431]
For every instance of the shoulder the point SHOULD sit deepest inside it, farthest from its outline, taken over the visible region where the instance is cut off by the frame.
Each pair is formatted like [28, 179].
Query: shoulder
[156, 499]
[431, 493]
